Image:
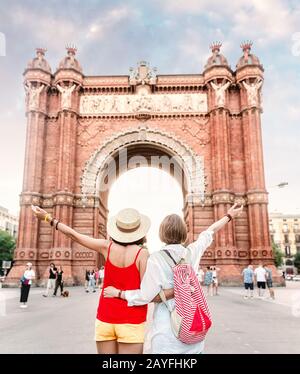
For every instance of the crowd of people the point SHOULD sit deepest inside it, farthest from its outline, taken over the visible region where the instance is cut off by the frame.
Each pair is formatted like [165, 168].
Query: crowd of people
[262, 274]
[94, 278]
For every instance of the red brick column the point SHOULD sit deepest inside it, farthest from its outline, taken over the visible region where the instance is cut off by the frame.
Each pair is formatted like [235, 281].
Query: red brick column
[27, 243]
[256, 192]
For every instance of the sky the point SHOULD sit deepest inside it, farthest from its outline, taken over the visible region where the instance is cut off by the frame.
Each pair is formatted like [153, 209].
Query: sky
[173, 36]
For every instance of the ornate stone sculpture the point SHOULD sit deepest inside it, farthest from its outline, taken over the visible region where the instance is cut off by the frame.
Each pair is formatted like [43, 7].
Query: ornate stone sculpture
[66, 96]
[33, 93]
[220, 93]
[252, 92]
[156, 103]
[70, 62]
[143, 74]
[39, 62]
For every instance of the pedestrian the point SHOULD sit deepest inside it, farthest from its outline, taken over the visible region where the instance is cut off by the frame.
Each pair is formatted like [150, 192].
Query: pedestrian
[87, 278]
[51, 279]
[96, 271]
[215, 283]
[59, 283]
[118, 328]
[260, 274]
[101, 276]
[92, 282]
[269, 281]
[200, 275]
[159, 275]
[208, 280]
[248, 275]
[26, 282]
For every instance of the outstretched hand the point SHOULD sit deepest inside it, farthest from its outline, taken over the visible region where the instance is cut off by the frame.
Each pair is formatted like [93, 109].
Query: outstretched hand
[39, 212]
[234, 211]
[110, 292]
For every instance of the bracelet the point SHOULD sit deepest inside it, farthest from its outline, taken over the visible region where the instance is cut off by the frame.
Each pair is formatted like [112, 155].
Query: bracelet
[229, 217]
[119, 294]
[47, 216]
[56, 228]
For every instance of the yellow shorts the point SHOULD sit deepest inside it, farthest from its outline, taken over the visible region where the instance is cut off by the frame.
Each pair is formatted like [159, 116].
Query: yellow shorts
[123, 332]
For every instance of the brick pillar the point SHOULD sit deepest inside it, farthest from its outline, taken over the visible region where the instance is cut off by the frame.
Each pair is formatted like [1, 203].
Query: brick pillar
[27, 242]
[63, 198]
[256, 191]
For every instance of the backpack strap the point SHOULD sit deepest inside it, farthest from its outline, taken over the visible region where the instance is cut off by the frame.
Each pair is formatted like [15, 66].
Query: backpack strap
[164, 300]
[168, 258]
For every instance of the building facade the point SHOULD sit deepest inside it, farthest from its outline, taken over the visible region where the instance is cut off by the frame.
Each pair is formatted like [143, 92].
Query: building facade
[285, 232]
[84, 131]
[8, 222]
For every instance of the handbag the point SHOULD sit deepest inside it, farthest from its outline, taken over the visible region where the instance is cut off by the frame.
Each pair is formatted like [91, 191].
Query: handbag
[25, 281]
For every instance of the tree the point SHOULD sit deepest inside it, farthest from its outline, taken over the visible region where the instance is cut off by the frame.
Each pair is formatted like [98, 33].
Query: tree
[7, 246]
[297, 261]
[278, 255]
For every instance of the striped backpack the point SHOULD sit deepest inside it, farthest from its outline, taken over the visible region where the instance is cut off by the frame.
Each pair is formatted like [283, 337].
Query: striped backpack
[190, 319]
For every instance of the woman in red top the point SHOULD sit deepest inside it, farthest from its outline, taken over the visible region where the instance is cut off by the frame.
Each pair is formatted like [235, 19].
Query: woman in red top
[119, 328]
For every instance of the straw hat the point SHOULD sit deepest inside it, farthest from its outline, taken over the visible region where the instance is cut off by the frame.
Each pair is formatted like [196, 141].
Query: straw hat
[128, 226]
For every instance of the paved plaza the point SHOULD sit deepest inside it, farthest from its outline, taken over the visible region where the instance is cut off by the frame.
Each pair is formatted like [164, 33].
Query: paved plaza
[65, 325]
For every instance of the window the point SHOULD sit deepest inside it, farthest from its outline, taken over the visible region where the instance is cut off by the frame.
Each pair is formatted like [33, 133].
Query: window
[296, 227]
[298, 249]
[286, 238]
[285, 227]
[287, 251]
[297, 238]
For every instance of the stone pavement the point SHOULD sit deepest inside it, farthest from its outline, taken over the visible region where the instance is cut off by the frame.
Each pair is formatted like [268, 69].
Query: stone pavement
[59, 325]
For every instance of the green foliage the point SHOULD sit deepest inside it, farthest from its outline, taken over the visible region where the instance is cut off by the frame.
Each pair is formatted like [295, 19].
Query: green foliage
[7, 246]
[297, 261]
[278, 255]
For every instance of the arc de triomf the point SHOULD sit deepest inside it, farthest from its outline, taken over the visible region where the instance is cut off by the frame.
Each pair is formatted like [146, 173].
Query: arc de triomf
[78, 125]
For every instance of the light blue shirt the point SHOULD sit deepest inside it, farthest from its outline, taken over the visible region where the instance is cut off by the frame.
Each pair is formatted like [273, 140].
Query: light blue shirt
[248, 275]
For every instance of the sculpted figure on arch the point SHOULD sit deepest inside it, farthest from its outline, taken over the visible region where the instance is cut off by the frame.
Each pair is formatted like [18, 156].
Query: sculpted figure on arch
[252, 91]
[220, 92]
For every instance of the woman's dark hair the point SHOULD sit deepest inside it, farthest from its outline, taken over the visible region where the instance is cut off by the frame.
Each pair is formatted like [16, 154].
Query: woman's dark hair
[137, 242]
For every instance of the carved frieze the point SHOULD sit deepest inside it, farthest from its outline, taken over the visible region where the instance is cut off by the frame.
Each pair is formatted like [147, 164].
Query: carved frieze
[149, 103]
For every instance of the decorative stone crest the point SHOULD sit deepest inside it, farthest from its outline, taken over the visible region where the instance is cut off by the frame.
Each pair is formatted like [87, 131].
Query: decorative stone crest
[143, 74]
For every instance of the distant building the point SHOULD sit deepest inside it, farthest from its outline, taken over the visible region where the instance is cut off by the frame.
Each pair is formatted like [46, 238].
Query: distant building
[8, 222]
[285, 232]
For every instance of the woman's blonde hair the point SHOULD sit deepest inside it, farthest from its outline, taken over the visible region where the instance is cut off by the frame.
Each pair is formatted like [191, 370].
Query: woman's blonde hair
[173, 230]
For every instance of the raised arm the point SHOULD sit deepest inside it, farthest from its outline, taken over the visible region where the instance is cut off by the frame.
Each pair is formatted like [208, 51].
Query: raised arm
[99, 245]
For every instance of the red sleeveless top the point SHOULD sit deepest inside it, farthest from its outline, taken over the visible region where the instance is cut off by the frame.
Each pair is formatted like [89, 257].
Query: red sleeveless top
[115, 310]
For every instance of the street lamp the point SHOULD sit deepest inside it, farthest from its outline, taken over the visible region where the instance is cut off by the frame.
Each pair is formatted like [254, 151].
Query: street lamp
[282, 184]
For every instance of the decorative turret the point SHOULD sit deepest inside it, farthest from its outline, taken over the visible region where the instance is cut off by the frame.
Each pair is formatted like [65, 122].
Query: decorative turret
[217, 67]
[217, 59]
[39, 62]
[70, 62]
[248, 58]
[37, 78]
